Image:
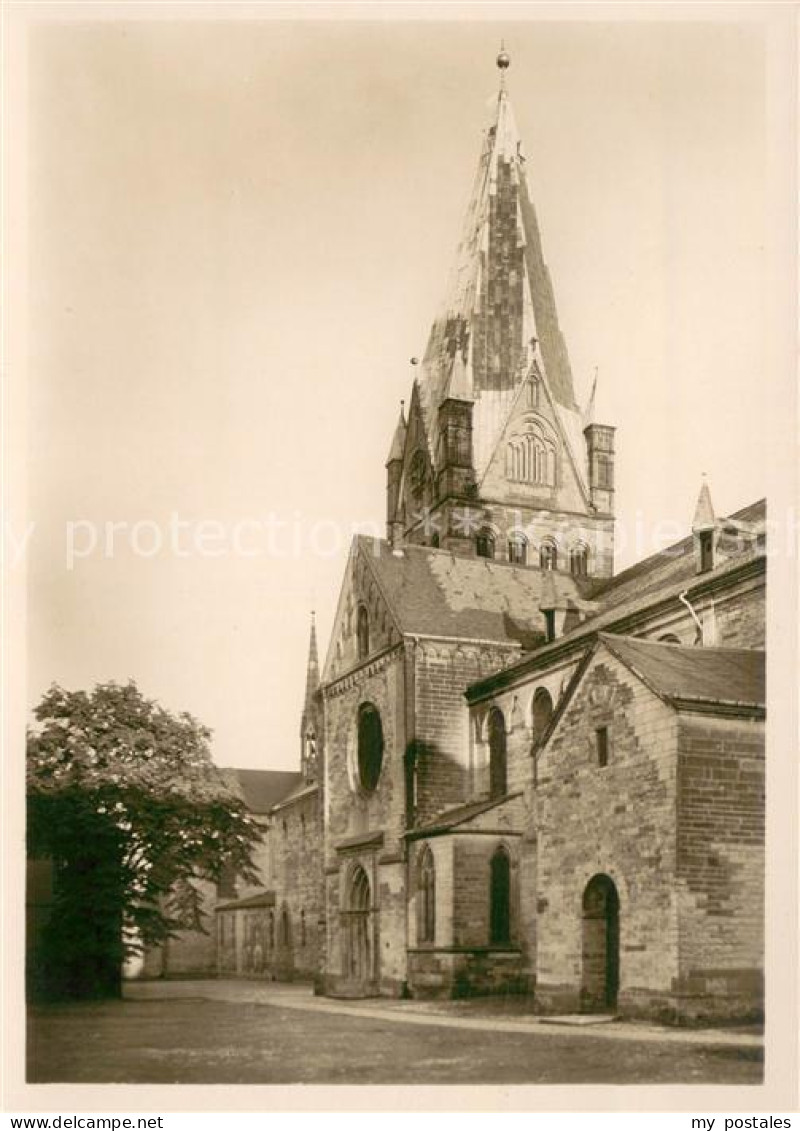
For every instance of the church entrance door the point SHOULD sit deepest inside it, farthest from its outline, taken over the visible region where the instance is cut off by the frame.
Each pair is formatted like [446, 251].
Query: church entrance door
[359, 960]
[600, 980]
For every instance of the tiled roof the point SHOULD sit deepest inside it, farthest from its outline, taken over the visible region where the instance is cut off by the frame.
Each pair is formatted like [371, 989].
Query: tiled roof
[661, 577]
[260, 899]
[262, 789]
[728, 676]
[459, 816]
[436, 593]
[302, 789]
[648, 578]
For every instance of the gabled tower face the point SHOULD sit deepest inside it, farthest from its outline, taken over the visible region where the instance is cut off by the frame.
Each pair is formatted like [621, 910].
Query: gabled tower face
[503, 443]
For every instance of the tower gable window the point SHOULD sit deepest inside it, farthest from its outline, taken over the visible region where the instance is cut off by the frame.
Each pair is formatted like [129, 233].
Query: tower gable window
[548, 555]
[500, 899]
[484, 544]
[579, 561]
[362, 632]
[518, 550]
[370, 746]
[531, 456]
[497, 753]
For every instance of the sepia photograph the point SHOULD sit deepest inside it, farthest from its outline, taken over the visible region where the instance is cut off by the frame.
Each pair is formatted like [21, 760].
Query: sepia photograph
[407, 424]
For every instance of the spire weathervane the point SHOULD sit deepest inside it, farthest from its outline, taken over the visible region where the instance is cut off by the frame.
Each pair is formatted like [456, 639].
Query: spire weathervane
[503, 63]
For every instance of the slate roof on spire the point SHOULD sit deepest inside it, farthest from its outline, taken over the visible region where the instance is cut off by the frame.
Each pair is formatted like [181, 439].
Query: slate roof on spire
[399, 439]
[499, 298]
[312, 674]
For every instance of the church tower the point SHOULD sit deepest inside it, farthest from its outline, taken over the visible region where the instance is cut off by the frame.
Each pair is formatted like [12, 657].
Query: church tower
[496, 458]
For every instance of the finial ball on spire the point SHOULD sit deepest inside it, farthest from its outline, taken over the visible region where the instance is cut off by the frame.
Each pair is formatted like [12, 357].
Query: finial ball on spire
[503, 60]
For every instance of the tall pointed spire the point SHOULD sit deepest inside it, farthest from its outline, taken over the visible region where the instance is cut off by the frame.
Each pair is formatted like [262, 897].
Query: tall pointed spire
[399, 438]
[312, 673]
[499, 297]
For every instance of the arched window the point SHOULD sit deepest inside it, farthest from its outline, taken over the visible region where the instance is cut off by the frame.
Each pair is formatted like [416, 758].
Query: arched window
[302, 928]
[497, 753]
[531, 455]
[362, 632]
[579, 561]
[541, 712]
[435, 541]
[518, 549]
[427, 897]
[500, 899]
[370, 746]
[548, 555]
[484, 544]
[272, 930]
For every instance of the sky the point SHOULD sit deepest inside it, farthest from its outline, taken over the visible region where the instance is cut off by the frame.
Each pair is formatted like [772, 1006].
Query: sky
[239, 234]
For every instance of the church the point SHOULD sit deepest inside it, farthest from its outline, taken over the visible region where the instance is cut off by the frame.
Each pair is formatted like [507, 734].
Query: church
[521, 772]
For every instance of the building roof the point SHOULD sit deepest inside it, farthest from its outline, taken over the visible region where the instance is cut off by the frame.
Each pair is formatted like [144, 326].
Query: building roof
[498, 316]
[458, 816]
[725, 676]
[615, 602]
[672, 566]
[262, 789]
[260, 899]
[437, 593]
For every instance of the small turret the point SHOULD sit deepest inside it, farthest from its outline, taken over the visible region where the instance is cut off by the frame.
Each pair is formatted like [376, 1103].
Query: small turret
[394, 471]
[456, 475]
[599, 457]
[704, 526]
[310, 736]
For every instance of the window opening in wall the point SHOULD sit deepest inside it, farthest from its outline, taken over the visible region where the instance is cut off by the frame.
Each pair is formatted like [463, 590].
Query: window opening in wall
[550, 624]
[548, 556]
[517, 550]
[601, 736]
[497, 753]
[500, 899]
[542, 711]
[427, 897]
[302, 928]
[370, 746]
[362, 632]
[484, 544]
[579, 561]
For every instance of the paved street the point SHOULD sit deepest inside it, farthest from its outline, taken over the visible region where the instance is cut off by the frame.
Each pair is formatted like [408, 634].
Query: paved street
[199, 1032]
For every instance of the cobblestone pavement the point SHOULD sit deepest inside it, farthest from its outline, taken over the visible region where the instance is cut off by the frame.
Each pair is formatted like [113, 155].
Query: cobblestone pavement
[221, 1032]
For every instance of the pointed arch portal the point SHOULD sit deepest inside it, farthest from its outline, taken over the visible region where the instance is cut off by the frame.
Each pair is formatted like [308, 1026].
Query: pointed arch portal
[358, 948]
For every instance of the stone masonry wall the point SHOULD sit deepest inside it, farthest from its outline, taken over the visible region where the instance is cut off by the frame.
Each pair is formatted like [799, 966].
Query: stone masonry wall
[442, 671]
[720, 866]
[618, 821]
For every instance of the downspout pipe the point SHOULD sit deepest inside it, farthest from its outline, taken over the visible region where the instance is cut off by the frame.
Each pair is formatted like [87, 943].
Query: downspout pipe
[685, 601]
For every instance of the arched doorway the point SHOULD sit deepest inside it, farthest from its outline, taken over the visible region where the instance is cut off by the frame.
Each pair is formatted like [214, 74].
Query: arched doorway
[358, 950]
[600, 978]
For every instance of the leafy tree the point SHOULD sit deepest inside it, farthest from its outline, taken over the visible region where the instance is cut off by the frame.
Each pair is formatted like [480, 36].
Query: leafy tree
[125, 801]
